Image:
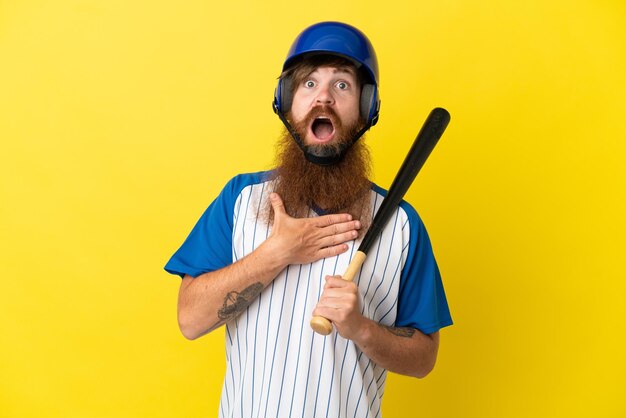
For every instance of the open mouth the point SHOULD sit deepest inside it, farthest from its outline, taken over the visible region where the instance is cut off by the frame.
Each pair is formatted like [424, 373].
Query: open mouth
[322, 128]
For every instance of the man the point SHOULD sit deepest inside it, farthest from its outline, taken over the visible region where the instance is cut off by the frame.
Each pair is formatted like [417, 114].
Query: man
[269, 251]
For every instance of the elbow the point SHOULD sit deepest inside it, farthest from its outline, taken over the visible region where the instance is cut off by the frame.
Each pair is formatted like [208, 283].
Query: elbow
[424, 371]
[188, 327]
[425, 367]
[189, 323]
[427, 361]
[189, 333]
[418, 369]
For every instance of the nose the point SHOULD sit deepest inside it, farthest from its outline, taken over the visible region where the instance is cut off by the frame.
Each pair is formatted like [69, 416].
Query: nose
[325, 96]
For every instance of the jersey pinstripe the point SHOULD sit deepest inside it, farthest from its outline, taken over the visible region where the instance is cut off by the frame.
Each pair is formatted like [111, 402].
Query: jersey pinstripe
[276, 365]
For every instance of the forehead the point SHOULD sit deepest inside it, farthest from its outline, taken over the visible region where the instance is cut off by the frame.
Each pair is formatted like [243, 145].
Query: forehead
[333, 70]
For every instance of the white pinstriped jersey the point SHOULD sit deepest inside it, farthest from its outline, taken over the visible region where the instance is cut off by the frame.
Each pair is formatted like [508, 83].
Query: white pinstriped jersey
[276, 365]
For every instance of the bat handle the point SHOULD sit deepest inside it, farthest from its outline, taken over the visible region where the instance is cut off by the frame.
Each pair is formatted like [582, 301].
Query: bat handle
[322, 325]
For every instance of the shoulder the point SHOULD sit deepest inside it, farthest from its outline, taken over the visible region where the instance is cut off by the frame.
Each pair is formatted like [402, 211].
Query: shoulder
[237, 184]
[241, 181]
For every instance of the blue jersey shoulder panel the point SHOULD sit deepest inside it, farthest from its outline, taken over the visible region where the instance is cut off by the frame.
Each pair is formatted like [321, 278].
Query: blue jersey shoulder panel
[422, 302]
[209, 244]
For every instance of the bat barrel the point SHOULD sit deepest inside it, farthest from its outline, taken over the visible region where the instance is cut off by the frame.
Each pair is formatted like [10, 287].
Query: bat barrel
[423, 145]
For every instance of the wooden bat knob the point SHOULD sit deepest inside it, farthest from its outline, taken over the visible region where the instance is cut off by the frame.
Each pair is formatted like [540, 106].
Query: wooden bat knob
[321, 325]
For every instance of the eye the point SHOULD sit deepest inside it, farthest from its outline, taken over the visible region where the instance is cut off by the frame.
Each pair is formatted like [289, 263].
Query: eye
[309, 83]
[342, 85]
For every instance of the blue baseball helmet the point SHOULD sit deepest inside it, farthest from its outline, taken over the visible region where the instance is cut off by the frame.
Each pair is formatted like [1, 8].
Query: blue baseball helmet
[340, 39]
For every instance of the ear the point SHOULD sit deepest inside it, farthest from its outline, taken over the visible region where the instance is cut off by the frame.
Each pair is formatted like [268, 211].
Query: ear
[369, 105]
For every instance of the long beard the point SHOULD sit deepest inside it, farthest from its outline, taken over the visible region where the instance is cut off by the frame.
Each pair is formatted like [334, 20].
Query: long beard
[339, 188]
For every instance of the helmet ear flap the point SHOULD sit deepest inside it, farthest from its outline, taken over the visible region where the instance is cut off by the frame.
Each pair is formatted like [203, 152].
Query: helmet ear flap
[284, 95]
[369, 103]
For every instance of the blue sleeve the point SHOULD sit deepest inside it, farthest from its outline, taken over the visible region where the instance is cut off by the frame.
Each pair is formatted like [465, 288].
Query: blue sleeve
[422, 302]
[209, 245]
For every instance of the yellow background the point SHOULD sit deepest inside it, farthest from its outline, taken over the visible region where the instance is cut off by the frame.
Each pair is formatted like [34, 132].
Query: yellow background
[121, 120]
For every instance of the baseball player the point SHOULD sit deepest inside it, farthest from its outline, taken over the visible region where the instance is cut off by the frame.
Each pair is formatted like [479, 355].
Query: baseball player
[267, 253]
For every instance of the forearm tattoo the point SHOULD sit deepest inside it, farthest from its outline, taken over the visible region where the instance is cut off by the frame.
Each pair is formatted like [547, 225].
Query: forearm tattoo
[401, 332]
[237, 302]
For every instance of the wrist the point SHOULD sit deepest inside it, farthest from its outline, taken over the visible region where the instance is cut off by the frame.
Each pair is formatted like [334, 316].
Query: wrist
[365, 333]
[272, 255]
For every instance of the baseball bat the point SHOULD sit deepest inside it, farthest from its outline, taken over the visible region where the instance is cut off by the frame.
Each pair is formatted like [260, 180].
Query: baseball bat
[424, 143]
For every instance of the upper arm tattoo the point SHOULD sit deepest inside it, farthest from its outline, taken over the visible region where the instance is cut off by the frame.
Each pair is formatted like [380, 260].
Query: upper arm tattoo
[401, 331]
[237, 302]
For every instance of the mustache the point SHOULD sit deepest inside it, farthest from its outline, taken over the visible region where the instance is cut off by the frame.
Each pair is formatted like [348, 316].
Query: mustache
[321, 110]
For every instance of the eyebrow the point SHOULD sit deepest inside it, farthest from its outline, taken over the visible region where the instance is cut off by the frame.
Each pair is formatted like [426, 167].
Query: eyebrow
[346, 70]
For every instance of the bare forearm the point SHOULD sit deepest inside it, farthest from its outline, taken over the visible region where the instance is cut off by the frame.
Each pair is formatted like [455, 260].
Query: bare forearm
[405, 351]
[209, 300]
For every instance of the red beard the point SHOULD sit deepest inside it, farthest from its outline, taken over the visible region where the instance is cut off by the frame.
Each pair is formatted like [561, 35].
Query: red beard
[339, 188]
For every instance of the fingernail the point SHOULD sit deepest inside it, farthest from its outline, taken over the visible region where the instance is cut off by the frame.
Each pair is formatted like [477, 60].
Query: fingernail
[357, 224]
